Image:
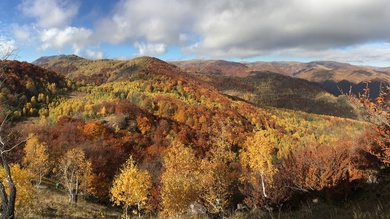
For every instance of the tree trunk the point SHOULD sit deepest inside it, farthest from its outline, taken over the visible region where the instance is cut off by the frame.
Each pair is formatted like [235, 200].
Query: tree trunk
[76, 192]
[263, 185]
[126, 208]
[4, 199]
[8, 201]
[139, 209]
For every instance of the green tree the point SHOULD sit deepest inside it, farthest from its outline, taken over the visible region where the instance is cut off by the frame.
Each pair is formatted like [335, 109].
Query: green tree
[131, 186]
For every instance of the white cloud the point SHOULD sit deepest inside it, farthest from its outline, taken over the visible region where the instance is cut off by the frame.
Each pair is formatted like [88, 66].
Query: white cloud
[94, 54]
[241, 29]
[249, 28]
[323, 29]
[50, 13]
[8, 48]
[154, 21]
[78, 38]
[150, 49]
[22, 33]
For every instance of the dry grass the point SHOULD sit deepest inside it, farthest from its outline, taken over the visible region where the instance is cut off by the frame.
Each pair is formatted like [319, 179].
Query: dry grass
[53, 203]
[372, 203]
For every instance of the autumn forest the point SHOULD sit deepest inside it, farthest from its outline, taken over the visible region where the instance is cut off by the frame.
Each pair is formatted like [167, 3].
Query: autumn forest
[159, 139]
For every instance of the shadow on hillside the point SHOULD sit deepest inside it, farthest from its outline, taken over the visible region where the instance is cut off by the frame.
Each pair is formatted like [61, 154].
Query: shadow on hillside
[338, 88]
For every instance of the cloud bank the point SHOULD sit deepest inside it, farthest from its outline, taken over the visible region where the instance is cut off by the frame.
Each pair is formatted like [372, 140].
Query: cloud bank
[324, 29]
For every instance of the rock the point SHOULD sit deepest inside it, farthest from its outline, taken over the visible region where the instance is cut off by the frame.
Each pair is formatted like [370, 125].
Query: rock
[196, 209]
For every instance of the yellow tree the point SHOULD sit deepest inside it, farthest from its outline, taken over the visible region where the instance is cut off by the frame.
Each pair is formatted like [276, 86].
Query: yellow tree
[75, 170]
[217, 173]
[180, 179]
[258, 154]
[131, 186]
[22, 182]
[36, 159]
[216, 178]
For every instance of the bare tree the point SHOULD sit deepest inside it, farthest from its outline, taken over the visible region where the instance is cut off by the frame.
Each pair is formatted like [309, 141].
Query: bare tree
[8, 200]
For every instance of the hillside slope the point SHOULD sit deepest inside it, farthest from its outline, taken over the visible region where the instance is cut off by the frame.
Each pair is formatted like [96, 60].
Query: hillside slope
[236, 80]
[30, 89]
[268, 89]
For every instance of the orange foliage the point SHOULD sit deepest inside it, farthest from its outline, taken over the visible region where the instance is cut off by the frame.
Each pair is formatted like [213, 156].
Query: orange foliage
[378, 113]
[326, 170]
[144, 124]
[94, 130]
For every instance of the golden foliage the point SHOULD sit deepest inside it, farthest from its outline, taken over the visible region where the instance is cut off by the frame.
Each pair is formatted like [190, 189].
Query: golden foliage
[24, 188]
[216, 177]
[75, 172]
[36, 159]
[144, 124]
[131, 186]
[94, 129]
[259, 154]
[180, 180]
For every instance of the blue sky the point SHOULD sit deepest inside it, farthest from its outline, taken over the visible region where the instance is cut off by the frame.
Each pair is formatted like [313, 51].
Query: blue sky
[353, 31]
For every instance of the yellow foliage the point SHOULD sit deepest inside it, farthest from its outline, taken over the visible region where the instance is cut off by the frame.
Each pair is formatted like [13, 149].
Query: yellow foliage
[258, 155]
[24, 188]
[75, 170]
[216, 178]
[180, 179]
[36, 158]
[131, 186]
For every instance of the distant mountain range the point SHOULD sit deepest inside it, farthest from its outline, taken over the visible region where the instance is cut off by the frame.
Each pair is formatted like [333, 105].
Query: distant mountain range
[335, 77]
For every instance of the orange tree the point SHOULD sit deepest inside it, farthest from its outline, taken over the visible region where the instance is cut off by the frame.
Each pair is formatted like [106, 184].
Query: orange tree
[377, 112]
[7, 198]
[23, 185]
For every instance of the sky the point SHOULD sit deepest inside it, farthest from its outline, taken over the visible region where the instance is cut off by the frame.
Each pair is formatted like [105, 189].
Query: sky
[352, 31]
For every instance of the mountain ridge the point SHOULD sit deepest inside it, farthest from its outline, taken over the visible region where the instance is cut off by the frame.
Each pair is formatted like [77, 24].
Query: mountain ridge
[335, 77]
[235, 80]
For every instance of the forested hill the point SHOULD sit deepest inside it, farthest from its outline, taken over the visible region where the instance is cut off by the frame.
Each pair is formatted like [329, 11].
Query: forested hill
[208, 138]
[29, 88]
[261, 88]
